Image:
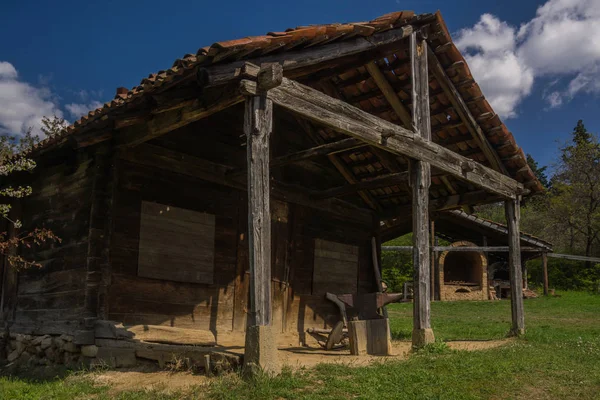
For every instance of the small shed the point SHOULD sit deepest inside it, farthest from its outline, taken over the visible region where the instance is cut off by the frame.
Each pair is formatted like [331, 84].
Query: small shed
[475, 265]
[231, 191]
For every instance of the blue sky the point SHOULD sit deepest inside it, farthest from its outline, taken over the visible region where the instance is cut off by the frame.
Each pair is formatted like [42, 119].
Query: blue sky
[74, 54]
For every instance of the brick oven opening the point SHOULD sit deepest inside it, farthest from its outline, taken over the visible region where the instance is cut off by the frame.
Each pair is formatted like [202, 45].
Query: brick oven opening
[463, 274]
[463, 268]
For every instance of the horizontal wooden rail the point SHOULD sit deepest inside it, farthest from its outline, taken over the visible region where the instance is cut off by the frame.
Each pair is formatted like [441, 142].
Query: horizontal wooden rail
[491, 249]
[573, 257]
[496, 249]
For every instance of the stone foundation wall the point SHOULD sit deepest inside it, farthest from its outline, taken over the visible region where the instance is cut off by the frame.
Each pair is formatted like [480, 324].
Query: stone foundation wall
[111, 345]
[46, 350]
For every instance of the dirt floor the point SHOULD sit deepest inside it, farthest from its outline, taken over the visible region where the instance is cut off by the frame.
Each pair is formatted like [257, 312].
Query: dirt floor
[150, 377]
[141, 378]
[298, 357]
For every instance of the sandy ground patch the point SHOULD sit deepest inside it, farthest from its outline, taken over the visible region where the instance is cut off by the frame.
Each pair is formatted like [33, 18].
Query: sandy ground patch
[151, 378]
[298, 357]
[148, 379]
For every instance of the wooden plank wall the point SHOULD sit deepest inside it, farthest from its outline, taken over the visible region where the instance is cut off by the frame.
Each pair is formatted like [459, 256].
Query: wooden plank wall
[176, 244]
[138, 300]
[221, 306]
[61, 201]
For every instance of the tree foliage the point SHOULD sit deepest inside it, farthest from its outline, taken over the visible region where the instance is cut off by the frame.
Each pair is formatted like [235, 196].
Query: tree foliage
[568, 214]
[13, 160]
[540, 172]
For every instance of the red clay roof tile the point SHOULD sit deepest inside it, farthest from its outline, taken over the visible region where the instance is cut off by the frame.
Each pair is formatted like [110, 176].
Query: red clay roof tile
[315, 35]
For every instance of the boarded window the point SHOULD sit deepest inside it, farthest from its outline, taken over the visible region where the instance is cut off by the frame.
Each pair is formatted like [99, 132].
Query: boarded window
[336, 267]
[176, 244]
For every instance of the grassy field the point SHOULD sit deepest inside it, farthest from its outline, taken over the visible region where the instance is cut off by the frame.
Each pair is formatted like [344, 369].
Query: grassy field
[558, 358]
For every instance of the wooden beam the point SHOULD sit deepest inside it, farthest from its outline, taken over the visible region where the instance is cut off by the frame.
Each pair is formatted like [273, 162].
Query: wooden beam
[319, 55]
[513, 213]
[342, 168]
[258, 124]
[432, 260]
[493, 249]
[380, 181]
[99, 233]
[390, 94]
[420, 179]
[160, 157]
[464, 113]
[161, 123]
[573, 257]
[322, 150]
[400, 109]
[451, 202]
[545, 272]
[342, 117]
[464, 249]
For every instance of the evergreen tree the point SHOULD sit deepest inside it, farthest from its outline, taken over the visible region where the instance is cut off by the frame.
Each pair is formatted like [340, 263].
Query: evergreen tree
[540, 172]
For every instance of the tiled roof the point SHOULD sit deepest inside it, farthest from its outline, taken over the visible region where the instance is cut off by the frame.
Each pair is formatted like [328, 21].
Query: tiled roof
[308, 36]
[500, 228]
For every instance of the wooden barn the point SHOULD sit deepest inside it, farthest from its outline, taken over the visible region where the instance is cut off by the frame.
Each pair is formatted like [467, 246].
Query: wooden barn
[232, 191]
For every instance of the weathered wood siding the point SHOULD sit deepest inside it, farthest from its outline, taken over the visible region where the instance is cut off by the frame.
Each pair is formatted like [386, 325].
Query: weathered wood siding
[221, 306]
[176, 244]
[139, 300]
[61, 201]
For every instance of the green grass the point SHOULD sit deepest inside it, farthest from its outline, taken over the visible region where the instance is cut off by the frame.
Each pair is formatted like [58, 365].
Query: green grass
[559, 357]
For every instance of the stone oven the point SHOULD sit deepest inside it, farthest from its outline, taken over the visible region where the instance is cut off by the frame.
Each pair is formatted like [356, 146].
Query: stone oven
[463, 274]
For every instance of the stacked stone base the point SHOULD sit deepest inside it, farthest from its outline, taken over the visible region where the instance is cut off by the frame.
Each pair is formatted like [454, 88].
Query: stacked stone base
[52, 350]
[46, 350]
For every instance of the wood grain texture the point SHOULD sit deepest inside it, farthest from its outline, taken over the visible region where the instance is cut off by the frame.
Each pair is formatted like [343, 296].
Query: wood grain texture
[513, 215]
[335, 267]
[545, 272]
[390, 94]
[258, 124]
[421, 181]
[464, 113]
[100, 231]
[176, 244]
[352, 121]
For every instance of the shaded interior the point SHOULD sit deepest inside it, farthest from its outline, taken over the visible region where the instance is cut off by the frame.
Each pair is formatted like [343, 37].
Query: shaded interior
[463, 268]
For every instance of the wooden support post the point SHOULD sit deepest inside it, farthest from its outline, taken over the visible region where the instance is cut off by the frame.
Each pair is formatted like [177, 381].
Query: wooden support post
[99, 233]
[421, 181]
[436, 263]
[260, 350]
[525, 279]
[545, 272]
[432, 260]
[513, 215]
[258, 126]
[376, 255]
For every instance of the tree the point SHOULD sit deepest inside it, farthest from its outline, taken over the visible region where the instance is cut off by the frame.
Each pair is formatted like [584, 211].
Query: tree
[540, 172]
[576, 188]
[53, 126]
[13, 160]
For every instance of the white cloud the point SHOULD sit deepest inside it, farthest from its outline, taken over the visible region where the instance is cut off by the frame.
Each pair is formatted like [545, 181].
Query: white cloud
[23, 105]
[490, 52]
[79, 109]
[554, 99]
[562, 41]
[7, 71]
